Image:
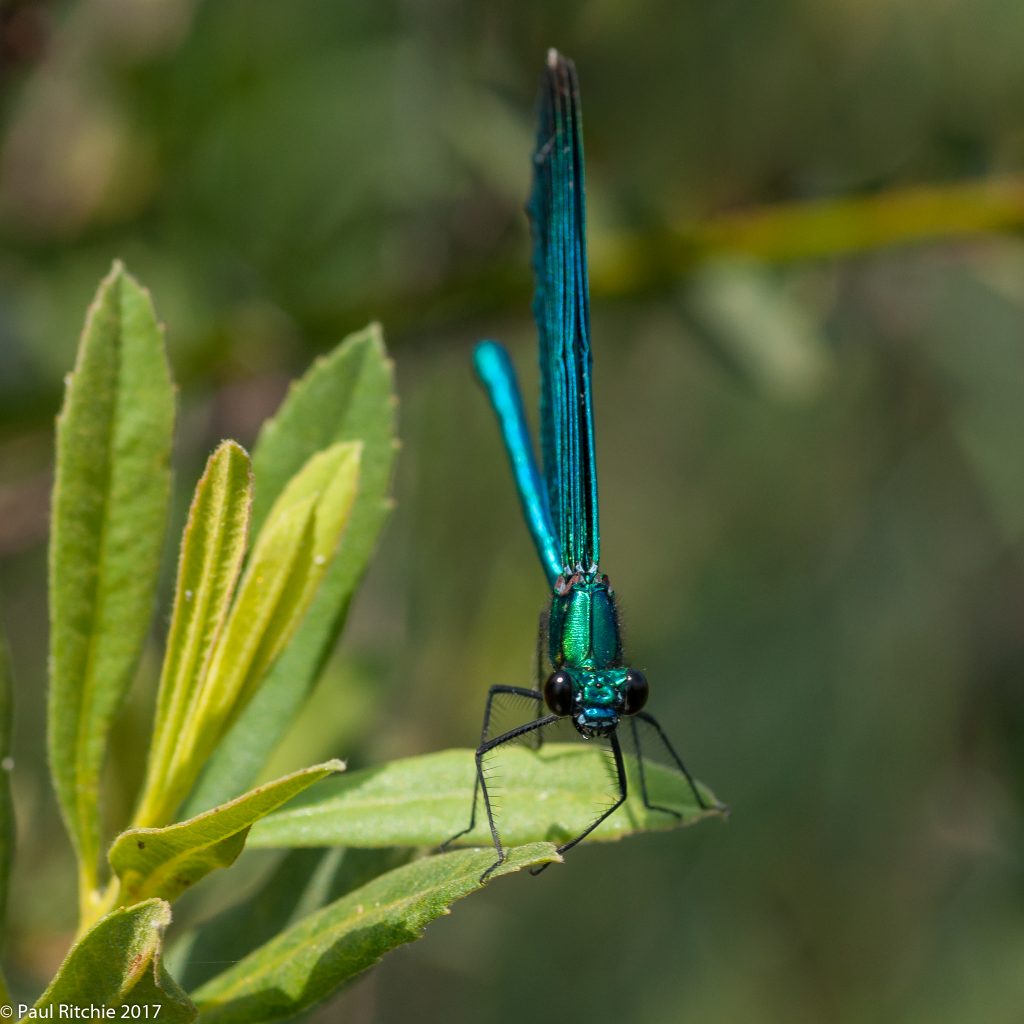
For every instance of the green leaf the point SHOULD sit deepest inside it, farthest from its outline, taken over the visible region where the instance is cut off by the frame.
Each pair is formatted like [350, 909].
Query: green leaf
[108, 518]
[325, 950]
[212, 551]
[331, 479]
[551, 794]
[348, 395]
[276, 576]
[164, 862]
[288, 562]
[117, 963]
[303, 881]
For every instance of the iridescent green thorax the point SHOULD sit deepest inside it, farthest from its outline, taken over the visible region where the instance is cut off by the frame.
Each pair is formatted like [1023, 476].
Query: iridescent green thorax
[584, 626]
[585, 645]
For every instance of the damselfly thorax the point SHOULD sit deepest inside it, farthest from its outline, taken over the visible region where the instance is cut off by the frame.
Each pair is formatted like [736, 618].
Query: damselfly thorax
[589, 683]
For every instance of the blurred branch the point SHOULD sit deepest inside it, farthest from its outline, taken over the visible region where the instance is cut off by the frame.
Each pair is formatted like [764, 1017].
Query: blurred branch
[840, 227]
[633, 265]
[814, 229]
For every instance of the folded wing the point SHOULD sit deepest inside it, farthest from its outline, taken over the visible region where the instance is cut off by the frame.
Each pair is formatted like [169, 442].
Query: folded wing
[562, 310]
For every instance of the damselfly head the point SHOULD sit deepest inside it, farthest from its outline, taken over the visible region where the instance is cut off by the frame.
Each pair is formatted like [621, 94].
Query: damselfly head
[595, 699]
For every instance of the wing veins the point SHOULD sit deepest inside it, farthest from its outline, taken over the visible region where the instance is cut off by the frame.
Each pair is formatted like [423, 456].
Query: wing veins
[561, 308]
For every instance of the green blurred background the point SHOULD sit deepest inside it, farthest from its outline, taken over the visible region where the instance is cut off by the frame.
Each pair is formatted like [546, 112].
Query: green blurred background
[812, 480]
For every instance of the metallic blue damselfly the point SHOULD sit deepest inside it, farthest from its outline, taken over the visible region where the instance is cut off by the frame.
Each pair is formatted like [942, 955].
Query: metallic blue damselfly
[589, 682]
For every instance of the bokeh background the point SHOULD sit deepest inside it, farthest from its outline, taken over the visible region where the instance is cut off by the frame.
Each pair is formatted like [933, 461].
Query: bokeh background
[810, 445]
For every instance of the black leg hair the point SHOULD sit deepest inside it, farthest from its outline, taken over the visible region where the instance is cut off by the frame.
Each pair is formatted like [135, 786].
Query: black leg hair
[484, 749]
[494, 691]
[643, 777]
[620, 771]
[652, 721]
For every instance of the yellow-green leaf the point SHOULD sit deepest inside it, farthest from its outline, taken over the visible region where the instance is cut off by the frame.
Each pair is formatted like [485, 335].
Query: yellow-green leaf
[118, 963]
[331, 480]
[327, 949]
[288, 562]
[550, 794]
[212, 551]
[273, 581]
[164, 862]
[108, 518]
[346, 396]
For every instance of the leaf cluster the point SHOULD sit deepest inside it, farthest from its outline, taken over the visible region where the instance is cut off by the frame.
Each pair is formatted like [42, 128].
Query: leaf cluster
[271, 553]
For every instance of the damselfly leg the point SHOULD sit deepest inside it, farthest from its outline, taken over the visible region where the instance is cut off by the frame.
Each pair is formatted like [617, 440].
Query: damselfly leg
[494, 694]
[652, 722]
[481, 778]
[620, 774]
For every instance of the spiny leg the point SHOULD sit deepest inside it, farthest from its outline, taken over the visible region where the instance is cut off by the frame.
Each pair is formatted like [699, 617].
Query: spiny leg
[653, 722]
[482, 751]
[643, 775]
[620, 772]
[492, 693]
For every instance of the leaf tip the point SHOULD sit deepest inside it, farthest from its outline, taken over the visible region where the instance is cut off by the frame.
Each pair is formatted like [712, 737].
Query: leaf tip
[231, 447]
[161, 914]
[373, 332]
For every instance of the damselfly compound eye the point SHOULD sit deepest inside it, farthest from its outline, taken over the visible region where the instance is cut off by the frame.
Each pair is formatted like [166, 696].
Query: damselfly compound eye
[634, 691]
[558, 693]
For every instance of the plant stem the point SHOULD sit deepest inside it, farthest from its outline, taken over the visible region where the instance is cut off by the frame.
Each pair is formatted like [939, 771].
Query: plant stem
[91, 899]
[100, 903]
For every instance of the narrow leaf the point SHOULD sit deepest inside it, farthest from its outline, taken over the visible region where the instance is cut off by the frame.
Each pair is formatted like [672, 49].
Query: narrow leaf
[273, 581]
[164, 862]
[118, 963]
[314, 958]
[212, 550]
[551, 794]
[346, 396]
[108, 518]
[331, 480]
[288, 562]
[322, 492]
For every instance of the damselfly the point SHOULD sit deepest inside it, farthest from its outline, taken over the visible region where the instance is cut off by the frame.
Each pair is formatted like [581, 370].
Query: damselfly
[589, 682]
